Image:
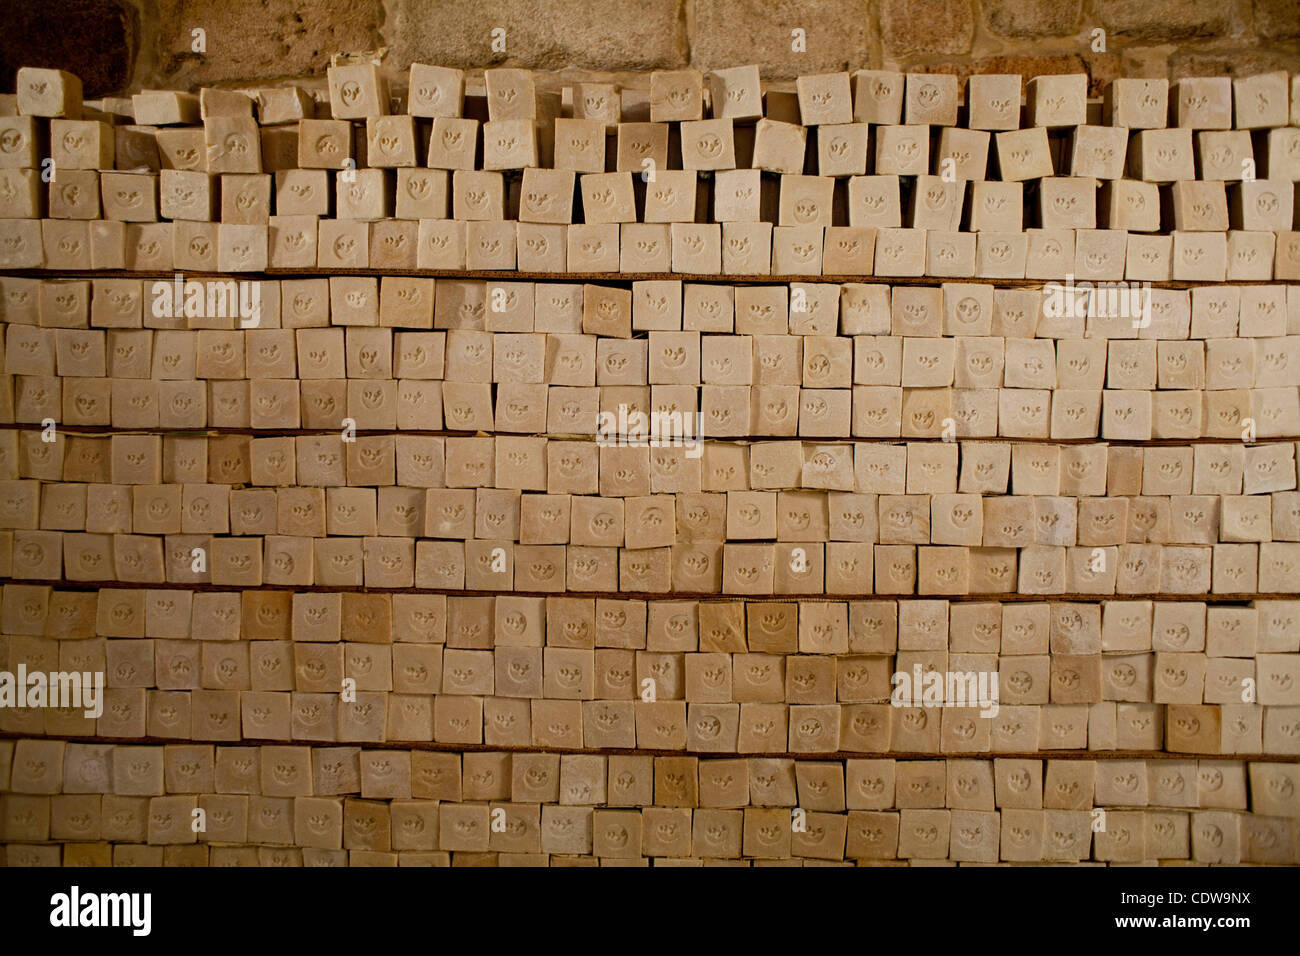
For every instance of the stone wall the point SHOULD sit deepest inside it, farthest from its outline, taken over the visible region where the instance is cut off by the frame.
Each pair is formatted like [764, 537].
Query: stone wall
[124, 45]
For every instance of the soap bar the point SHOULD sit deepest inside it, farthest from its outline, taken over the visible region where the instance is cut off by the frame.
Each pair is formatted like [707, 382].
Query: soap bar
[43, 92]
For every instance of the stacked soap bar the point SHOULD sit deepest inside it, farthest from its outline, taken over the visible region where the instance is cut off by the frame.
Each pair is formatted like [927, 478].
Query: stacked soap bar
[814, 360]
[873, 173]
[546, 516]
[887, 471]
[121, 805]
[698, 676]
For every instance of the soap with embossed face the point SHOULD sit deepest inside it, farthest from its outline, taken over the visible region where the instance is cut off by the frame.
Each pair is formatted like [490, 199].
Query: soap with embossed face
[390, 141]
[747, 248]
[1200, 256]
[490, 244]
[509, 144]
[541, 247]
[182, 148]
[1199, 206]
[1225, 155]
[81, 144]
[324, 144]
[671, 197]
[394, 244]
[874, 201]
[511, 94]
[305, 192]
[245, 198]
[1203, 102]
[546, 196]
[44, 92]
[902, 150]
[824, 99]
[453, 143]
[797, 250]
[191, 195]
[607, 198]
[936, 203]
[1129, 204]
[1098, 152]
[993, 101]
[434, 91]
[805, 200]
[842, 149]
[365, 194]
[930, 99]
[592, 247]
[1001, 255]
[849, 251]
[642, 148]
[478, 195]
[22, 146]
[1067, 202]
[580, 145]
[1023, 154]
[1057, 101]
[676, 95]
[1261, 205]
[996, 206]
[736, 93]
[1283, 154]
[1099, 254]
[708, 144]
[737, 195]
[1134, 103]
[357, 91]
[1287, 265]
[645, 247]
[600, 102]
[963, 154]
[233, 144]
[129, 197]
[696, 248]
[900, 252]
[878, 97]
[422, 193]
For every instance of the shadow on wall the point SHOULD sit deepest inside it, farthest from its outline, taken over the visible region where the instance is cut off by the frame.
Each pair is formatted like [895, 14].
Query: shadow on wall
[96, 39]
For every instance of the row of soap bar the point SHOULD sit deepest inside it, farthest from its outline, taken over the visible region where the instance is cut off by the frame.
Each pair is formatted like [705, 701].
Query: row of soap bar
[992, 102]
[270, 619]
[724, 411]
[894, 192]
[728, 411]
[53, 768]
[380, 808]
[732, 249]
[759, 727]
[1083, 310]
[858, 838]
[474, 472]
[696, 567]
[686, 358]
[522, 123]
[558, 673]
[638, 522]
